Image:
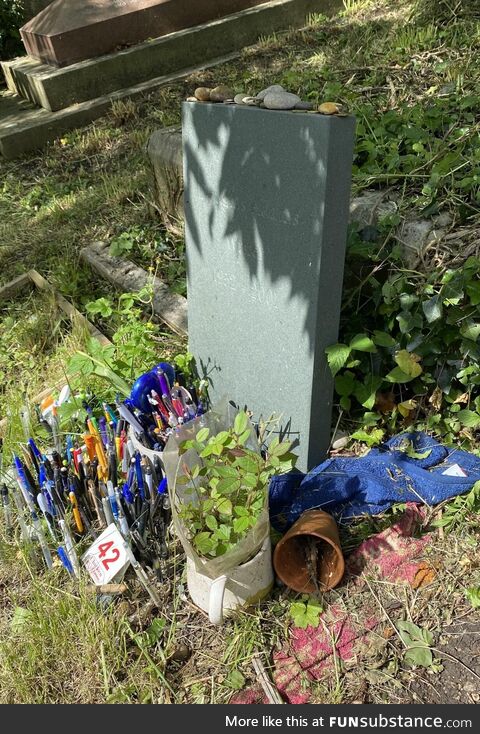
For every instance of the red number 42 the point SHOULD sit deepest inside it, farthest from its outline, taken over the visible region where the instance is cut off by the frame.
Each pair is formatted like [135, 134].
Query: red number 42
[103, 549]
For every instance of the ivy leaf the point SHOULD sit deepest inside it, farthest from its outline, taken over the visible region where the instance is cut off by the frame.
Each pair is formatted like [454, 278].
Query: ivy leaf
[473, 292]
[345, 403]
[362, 343]
[337, 355]
[470, 330]
[397, 375]
[406, 407]
[433, 309]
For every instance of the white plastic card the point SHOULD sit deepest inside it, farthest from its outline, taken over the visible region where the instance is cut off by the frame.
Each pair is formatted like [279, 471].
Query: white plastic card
[455, 471]
[106, 557]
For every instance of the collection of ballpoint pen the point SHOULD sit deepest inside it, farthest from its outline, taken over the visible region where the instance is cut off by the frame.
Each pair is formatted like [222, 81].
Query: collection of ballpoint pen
[95, 478]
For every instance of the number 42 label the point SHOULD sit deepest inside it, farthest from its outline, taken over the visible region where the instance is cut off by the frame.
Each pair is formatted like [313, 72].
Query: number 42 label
[107, 557]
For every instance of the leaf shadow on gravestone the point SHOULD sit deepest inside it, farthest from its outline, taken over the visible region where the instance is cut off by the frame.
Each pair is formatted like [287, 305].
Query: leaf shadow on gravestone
[268, 196]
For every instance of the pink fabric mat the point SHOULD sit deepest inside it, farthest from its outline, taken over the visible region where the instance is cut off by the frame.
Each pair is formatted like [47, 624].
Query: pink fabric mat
[393, 555]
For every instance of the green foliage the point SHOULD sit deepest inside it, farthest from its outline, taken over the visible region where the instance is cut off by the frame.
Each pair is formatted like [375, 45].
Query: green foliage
[231, 485]
[125, 242]
[457, 511]
[185, 363]
[306, 612]
[419, 345]
[418, 642]
[11, 18]
[235, 679]
[133, 351]
[473, 596]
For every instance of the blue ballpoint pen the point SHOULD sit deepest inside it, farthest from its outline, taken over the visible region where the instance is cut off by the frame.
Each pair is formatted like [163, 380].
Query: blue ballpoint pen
[139, 475]
[27, 496]
[64, 559]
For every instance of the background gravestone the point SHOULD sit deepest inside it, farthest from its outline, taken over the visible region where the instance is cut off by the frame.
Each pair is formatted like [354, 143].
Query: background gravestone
[67, 31]
[266, 211]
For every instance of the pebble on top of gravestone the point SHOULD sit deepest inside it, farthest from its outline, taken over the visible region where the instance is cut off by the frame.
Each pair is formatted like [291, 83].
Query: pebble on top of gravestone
[267, 189]
[67, 31]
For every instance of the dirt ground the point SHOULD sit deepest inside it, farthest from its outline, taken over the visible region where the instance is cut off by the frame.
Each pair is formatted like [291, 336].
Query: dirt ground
[459, 682]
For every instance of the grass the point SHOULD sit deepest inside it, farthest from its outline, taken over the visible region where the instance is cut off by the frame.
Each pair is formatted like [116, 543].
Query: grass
[389, 63]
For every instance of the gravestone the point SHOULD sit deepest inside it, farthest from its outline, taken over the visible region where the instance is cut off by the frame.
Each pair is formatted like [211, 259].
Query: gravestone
[266, 211]
[67, 31]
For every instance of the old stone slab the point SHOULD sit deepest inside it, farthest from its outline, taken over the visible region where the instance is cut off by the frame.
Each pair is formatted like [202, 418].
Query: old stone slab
[24, 127]
[266, 212]
[67, 31]
[170, 307]
[55, 88]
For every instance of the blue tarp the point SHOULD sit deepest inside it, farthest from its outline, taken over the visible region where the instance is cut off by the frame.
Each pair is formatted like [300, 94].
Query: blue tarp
[350, 487]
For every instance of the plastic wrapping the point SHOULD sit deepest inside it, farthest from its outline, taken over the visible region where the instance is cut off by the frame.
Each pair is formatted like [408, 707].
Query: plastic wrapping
[220, 418]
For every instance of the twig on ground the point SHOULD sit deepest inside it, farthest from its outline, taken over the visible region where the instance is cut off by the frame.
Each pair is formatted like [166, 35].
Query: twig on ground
[269, 689]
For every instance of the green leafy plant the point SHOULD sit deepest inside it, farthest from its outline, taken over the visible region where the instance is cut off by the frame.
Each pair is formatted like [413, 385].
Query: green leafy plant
[235, 679]
[306, 612]
[125, 242]
[418, 642]
[417, 356]
[186, 365]
[133, 348]
[230, 484]
[456, 512]
[473, 596]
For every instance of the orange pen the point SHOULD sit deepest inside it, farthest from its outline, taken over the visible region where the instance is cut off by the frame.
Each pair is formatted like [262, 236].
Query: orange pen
[76, 512]
[90, 444]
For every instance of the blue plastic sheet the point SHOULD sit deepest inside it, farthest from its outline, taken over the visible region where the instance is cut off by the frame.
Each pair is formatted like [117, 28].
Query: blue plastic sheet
[350, 487]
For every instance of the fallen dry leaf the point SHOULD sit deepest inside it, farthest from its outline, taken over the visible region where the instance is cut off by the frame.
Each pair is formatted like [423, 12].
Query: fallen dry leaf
[424, 576]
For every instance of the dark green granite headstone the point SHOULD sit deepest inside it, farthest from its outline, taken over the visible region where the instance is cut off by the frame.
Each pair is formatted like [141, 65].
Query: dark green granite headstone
[266, 208]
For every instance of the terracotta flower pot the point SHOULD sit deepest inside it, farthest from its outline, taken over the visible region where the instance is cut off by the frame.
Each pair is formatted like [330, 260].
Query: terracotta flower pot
[297, 558]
